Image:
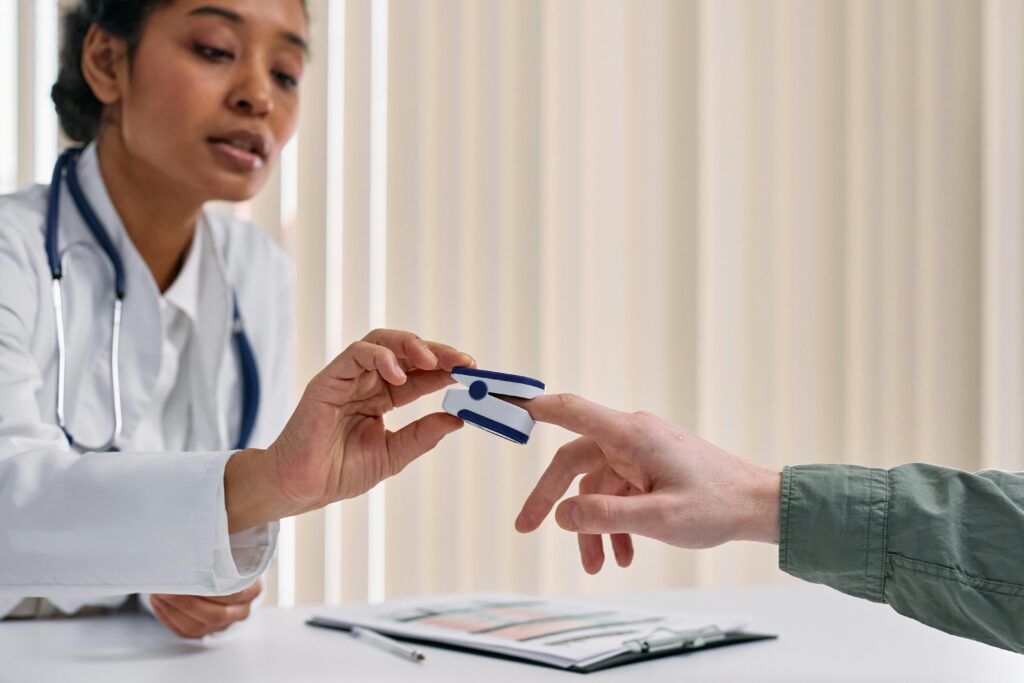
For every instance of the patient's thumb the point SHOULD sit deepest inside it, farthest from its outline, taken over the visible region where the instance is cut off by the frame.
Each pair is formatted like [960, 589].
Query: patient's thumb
[604, 514]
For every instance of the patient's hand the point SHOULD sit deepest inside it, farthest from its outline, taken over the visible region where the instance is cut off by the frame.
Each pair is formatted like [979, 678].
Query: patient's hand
[645, 476]
[194, 616]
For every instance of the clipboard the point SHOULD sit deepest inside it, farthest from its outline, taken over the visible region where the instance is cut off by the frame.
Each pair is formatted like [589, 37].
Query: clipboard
[627, 637]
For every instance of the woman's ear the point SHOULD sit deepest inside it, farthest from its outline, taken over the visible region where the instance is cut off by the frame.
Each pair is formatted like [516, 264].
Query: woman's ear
[105, 65]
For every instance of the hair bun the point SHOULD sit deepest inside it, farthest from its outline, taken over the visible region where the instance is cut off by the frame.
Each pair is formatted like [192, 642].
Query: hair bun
[92, 8]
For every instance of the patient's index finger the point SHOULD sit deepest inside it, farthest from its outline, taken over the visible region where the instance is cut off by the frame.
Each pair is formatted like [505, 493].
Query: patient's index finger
[577, 414]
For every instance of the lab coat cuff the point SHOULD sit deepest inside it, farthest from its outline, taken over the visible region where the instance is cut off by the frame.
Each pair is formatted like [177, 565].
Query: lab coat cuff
[147, 606]
[833, 527]
[239, 558]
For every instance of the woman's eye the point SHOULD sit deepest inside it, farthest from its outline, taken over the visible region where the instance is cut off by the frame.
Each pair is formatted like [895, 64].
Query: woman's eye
[286, 80]
[213, 53]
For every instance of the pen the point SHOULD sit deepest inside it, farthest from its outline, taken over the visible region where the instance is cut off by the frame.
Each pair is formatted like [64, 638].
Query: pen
[385, 643]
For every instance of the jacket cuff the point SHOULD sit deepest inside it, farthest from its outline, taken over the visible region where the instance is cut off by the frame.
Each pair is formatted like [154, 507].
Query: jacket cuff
[239, 558]
[245, 560]
[832, 527]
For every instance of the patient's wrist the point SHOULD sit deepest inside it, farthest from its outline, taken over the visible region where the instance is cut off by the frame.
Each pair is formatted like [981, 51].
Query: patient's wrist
[764, 490]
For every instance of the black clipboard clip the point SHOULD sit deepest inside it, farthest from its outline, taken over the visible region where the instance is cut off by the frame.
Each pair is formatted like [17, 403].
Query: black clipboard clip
[672, 639]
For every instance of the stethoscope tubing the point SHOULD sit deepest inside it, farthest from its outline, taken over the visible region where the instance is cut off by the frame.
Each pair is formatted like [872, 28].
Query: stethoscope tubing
[64, 170]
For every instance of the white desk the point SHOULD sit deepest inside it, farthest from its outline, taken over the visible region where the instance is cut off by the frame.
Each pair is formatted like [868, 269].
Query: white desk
[824, 636]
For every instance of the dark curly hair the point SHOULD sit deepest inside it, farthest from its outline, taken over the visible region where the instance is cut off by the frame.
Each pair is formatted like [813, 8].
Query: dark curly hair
[78, 109]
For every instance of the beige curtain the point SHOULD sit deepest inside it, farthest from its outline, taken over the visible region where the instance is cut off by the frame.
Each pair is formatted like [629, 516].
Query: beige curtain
[796, 228]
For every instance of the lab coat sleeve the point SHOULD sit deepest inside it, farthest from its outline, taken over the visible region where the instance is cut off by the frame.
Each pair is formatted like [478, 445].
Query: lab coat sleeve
[253, 545]
[99, 523]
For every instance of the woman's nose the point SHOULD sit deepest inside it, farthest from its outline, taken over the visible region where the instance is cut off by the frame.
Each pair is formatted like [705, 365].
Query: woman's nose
[252, 95]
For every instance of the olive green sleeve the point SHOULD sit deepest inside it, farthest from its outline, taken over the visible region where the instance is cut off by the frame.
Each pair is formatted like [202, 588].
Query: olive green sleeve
[939, 545]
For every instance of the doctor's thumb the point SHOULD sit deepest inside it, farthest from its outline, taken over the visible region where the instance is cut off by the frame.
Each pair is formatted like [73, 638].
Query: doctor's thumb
[607, 514]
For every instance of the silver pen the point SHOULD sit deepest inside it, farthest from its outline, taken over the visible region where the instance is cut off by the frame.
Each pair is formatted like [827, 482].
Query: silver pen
[385, 643]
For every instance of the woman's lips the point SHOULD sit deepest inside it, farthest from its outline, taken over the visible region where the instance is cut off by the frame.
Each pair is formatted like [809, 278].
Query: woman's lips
[234, 157]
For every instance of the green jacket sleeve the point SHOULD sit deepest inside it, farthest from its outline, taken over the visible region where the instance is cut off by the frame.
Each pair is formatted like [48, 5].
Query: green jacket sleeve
[939, 545]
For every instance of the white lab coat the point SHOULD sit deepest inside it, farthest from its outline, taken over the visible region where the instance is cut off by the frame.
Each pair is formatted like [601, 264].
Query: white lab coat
[76, 525]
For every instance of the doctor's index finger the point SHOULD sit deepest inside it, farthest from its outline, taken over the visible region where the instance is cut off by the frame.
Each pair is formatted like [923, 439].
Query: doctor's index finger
[449, 358]
[364, 356]
[406, 346]
[417, 352]
[421, 383]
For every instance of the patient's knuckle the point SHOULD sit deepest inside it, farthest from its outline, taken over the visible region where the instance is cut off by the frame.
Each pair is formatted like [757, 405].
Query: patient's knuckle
[606, 513]
[563, 452]
[662, 517]
[644, 421]
[642, 428]
[569, 400]
[563, 460]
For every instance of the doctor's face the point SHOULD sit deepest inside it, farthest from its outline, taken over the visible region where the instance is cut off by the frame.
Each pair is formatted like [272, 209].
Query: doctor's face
[213, 93]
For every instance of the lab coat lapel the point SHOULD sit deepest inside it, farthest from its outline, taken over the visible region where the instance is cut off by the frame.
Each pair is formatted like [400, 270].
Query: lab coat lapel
[141, 333]
[213, 373]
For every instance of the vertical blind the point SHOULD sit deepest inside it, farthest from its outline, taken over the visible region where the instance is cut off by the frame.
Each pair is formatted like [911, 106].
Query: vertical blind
[792, 227]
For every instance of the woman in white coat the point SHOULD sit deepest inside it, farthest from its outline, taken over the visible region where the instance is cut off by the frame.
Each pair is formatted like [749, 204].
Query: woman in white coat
[155, 459]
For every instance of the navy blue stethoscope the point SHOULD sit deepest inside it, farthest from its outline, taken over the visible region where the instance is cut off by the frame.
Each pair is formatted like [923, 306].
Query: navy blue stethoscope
[65, 169]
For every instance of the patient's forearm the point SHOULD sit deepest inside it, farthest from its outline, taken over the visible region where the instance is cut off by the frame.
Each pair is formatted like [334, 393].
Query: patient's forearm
[939, 545]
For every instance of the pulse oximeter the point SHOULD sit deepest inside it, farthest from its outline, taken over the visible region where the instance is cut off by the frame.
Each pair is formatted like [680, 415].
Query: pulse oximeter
[482, 406]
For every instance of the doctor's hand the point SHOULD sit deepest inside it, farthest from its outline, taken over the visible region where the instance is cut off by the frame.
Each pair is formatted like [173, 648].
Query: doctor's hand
[194, 616]
[642, 475]
[335, 445]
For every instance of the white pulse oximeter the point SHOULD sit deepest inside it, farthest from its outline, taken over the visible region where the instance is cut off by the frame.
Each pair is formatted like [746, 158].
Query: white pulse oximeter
[482, 406]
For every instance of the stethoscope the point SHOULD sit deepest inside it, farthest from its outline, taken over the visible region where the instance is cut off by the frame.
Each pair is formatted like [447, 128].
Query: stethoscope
[65, 169]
